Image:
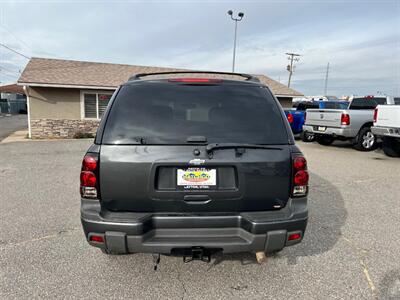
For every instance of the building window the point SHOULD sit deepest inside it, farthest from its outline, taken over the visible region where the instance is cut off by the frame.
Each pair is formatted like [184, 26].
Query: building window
[94, 104]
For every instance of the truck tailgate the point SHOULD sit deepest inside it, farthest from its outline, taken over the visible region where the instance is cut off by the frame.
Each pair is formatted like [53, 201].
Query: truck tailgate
[324, 117]
[388, 116]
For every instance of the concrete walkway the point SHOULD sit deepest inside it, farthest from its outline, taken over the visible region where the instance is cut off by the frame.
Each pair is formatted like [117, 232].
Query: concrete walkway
[18, 136]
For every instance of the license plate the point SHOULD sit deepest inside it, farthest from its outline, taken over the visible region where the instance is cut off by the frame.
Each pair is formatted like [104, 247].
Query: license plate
[197, 178]
[321, 128]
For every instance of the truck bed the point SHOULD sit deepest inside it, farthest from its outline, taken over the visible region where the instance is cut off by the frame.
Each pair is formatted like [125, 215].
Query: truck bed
[324, 117]
[388, 116]
[321, 120]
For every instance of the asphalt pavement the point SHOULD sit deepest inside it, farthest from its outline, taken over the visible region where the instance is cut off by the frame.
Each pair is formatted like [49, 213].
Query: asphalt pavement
[12, 123]
[350, 250]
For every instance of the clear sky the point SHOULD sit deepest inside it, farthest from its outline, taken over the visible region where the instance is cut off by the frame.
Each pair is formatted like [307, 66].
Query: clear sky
[360, 39]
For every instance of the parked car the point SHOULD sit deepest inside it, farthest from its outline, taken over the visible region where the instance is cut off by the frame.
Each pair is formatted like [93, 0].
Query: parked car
[296, 115]
[387, 127]
[353, 124]
[193, 166]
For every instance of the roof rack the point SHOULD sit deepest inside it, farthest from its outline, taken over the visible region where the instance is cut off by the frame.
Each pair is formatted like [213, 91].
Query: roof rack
[247, 76]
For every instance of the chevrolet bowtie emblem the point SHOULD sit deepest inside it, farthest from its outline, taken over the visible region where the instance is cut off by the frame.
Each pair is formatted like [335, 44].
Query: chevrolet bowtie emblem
[196, 161]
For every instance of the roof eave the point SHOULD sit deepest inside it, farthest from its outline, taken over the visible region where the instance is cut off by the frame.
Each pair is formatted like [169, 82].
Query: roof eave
[289, 95]
[70, 86]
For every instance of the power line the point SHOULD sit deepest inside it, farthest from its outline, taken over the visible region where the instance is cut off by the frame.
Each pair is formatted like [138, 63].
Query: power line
[7, 75]
[9, 70]
[15, 51]
[292, 57]
[15, 37]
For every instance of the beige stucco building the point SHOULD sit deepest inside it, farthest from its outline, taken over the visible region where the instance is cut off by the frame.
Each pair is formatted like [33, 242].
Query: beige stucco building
[67, 98]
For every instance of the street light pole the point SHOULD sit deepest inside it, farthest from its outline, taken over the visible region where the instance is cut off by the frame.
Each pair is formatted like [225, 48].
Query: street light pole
[326, 80]
[239, 18]
[234, 48]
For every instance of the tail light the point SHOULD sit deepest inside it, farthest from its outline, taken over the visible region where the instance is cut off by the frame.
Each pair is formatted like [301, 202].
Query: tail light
[89, 175]
[300, 176]
[290, 118]
[375, 115]
[97, 239]
[345, 119]
[294, 237]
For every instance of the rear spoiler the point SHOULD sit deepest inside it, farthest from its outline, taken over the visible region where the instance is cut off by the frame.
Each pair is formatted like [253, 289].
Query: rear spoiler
[247, 77]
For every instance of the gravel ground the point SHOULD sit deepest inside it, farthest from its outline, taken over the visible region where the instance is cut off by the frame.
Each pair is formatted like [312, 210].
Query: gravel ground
[349, 250]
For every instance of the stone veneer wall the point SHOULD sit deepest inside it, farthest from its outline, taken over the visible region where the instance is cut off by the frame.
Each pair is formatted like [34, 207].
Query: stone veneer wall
[62, 128]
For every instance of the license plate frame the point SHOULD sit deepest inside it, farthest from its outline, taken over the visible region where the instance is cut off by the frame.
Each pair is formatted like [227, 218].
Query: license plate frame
[196, 178]
[321, 128]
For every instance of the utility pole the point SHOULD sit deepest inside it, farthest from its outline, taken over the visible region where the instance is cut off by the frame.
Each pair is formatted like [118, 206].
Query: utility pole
[326, 80]
[293, 57]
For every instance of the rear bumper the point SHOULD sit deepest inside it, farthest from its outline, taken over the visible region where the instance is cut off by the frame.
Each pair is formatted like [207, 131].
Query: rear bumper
[333, 131]
[161, 233]
[386, 131]
[296, 127]
[297, 130]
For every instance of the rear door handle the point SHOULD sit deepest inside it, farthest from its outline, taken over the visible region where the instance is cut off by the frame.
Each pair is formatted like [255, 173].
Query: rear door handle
[197, 199]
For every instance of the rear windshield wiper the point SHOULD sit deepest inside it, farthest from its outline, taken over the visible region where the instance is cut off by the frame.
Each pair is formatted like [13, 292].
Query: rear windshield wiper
[237, 146]
[140, 140]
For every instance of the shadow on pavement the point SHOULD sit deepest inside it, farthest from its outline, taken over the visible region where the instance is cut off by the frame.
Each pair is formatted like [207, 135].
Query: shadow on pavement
[327, 215]
[390, 286]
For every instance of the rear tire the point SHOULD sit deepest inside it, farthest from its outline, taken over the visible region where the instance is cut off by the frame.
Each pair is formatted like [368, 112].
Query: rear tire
[325, 140]
[391, 146]
[307, 137]
[366, 140]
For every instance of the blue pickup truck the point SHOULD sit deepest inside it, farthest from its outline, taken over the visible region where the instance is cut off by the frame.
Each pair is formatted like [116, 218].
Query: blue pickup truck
[296, 115]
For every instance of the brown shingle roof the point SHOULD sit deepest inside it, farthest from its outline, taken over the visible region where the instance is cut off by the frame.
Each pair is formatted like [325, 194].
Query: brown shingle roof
[12, 88]
[81, 73]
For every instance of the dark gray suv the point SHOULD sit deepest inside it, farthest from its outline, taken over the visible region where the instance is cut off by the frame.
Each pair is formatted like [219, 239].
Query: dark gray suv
[192, 166]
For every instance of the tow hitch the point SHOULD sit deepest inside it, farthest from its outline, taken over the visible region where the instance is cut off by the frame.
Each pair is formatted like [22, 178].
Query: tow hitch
[189, 254]
[197, 253]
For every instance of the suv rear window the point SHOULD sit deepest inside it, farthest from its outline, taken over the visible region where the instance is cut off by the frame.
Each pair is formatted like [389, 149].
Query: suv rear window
[366, 103]
[307, 105]
[169, 113]
[336, 105]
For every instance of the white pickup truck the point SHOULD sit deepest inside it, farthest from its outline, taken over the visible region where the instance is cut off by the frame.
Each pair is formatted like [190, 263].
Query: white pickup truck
[353, 124]
[387, 127]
